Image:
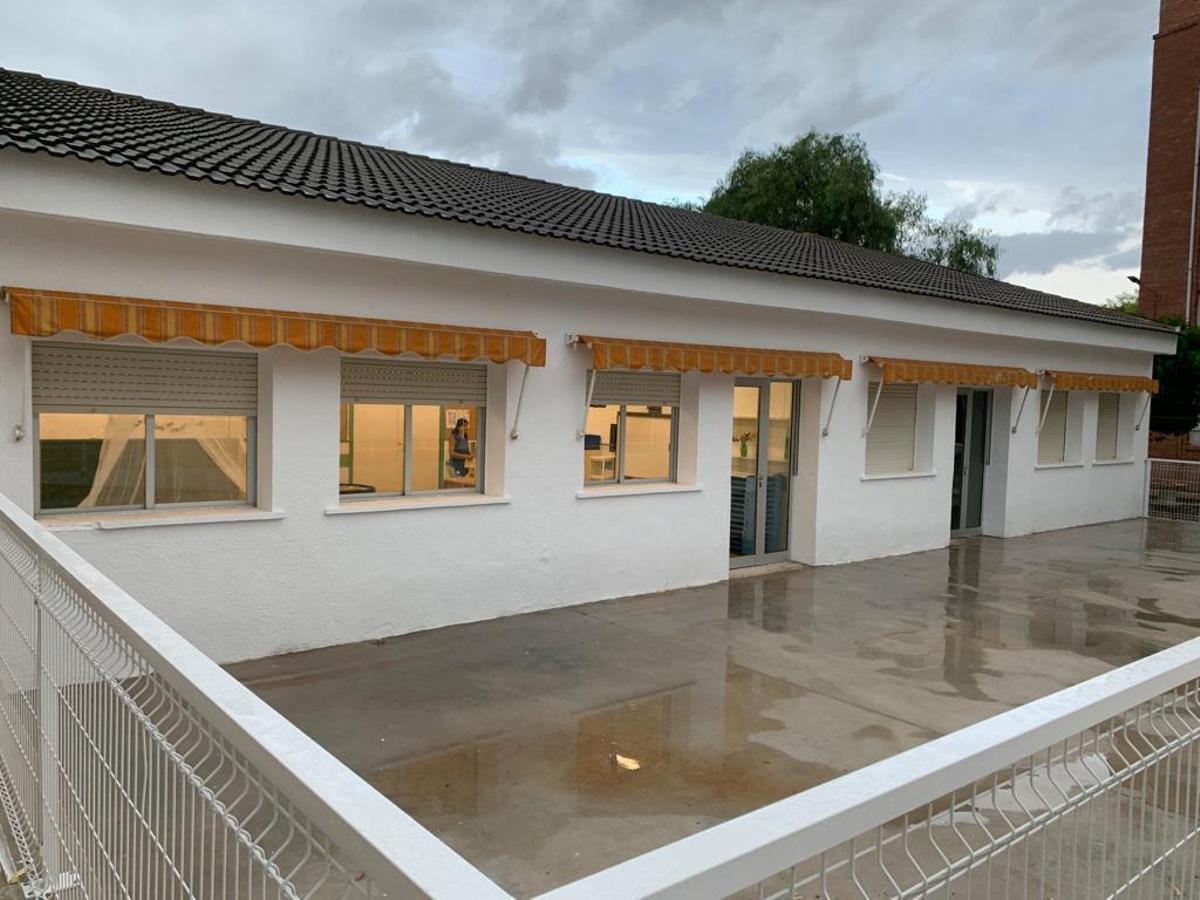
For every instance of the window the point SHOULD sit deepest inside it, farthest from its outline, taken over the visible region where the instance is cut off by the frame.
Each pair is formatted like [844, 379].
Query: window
[1108, 416]
[411, 428]
[892, 440]
[1194, 437]
[632, 428]
[1052, 439]
[131, 428]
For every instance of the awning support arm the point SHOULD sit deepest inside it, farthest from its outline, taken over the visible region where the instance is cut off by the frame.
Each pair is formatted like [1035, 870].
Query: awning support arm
[587, 406]
[1145, 408]
[515, 433]
[837, 386]
[1046, 408]
[874, 407]
[1020, 409]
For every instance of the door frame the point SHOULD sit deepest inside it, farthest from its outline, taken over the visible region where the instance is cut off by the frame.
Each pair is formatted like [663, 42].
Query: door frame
[956, 528]
[760, 557]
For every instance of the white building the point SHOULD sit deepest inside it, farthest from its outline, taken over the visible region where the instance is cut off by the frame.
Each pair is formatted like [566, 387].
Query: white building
[190, 396]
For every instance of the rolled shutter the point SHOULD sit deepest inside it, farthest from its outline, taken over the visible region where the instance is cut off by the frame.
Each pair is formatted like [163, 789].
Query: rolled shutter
[892, 441]
[394, 382]
[1108, 416]
[1052, 439]
[638, 388]
[83, 377]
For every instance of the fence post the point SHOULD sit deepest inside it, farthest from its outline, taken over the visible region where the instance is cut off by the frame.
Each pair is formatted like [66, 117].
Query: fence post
[47, 721]
[1146, 488]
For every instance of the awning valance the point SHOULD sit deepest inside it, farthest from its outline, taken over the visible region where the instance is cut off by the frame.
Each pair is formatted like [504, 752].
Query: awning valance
[923, 371]
[1089, 381]
[664, 356]
[38, 313]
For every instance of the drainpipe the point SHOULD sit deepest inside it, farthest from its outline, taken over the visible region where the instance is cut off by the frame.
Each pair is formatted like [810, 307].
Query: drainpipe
[1191, 268]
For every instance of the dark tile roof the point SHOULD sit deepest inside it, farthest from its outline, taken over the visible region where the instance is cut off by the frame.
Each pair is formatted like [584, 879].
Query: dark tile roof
[64, 119]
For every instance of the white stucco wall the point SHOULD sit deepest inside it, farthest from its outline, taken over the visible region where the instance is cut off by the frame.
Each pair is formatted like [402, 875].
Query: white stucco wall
[307, 578]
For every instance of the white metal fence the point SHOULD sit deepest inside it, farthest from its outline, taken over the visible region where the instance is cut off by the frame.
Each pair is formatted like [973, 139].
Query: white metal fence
[131, 765]
[1088, 793]
[1173, 489]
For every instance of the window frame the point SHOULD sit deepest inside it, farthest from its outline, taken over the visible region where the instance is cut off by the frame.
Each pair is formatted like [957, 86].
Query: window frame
[149, 501]
[407, 406]
[619, 451]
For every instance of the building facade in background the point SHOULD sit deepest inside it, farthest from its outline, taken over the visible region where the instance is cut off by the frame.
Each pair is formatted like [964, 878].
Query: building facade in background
[1169, 244]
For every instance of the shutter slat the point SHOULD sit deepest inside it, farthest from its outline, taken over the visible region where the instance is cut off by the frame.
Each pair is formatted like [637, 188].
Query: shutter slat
[641, 388]
[83, 377]
[396, 382]
[892, 441]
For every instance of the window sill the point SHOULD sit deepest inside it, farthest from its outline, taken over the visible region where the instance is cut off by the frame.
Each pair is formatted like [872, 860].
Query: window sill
[150, 518]
[895, 476]
[1113, 462]
[1058, 465]
[636, 490]
[401, 504]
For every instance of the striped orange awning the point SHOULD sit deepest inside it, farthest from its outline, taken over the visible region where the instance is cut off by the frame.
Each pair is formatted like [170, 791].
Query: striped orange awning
[663, 356]
[923, 371]
[38, 313]
[1088, 381]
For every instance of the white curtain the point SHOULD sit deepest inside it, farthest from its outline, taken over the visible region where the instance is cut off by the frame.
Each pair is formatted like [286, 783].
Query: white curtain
[229, 455]
[119, 474]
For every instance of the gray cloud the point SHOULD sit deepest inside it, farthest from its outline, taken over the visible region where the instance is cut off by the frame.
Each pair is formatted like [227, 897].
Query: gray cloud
[981, 104]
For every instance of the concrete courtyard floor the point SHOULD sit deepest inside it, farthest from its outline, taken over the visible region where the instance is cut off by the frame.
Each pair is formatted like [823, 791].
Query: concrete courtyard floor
[546, 746]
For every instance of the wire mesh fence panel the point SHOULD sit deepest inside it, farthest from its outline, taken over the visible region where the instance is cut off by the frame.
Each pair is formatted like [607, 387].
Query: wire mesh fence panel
[114, 784]
[1110, 812]
[1091, 792]
[1174, 490]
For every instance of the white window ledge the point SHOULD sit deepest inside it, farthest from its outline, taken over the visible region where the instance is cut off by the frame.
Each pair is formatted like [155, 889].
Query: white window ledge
[636, 490]
[1113, 462]
[897, 475]
[152, 518]
[400, 504]
[1059, 465]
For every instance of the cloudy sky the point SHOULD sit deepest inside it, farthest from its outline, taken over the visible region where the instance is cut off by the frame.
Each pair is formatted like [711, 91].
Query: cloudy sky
[1026, 116]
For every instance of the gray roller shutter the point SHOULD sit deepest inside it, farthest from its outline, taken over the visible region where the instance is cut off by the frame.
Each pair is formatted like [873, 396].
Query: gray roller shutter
[892, 441]
[1052, 439]
[1108, 417]
[386, 381]
[82, 377]
[636, 388]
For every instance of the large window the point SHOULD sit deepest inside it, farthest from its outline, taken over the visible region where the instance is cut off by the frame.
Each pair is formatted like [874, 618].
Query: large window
[1052, 439]
[1108, 417]
[410, 428]
[124, 428]
[632, 428]
[892, 440]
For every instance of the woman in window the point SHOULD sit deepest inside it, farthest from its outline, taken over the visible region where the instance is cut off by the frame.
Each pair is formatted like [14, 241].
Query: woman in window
[460, 448]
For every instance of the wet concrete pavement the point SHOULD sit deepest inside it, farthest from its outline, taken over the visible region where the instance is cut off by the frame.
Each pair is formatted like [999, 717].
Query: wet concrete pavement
[546, 746]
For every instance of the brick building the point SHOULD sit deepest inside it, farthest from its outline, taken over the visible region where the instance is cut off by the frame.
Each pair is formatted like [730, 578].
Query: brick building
[1169, 247]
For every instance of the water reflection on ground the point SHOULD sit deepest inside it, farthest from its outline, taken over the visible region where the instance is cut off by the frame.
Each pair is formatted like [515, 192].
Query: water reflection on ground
[546, 746]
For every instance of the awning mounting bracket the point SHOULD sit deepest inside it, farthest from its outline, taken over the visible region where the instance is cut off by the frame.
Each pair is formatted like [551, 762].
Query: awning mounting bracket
[1046, 407]
[1020, 409]
[591, 389]
[837, 386]
[874, 408]
[515, 433]
[1142, 414]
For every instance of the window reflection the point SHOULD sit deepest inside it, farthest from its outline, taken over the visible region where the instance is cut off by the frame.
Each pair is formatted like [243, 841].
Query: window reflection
[91, 460]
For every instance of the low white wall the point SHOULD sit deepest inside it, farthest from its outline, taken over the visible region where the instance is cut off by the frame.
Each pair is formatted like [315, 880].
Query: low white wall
[259, 587]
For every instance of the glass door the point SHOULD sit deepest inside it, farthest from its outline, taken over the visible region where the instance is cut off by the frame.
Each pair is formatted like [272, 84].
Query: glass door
[761, 455]
[970, 460]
